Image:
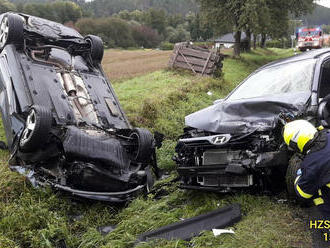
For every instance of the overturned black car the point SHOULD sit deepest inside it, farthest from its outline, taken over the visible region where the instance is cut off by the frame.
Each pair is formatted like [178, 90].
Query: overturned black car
[237, 142]
[63, 122]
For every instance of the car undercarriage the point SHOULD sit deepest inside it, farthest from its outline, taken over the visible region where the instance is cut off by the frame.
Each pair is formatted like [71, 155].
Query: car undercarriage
[64, 124]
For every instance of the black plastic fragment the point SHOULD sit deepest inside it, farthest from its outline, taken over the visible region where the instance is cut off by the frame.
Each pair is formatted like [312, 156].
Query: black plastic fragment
[159, 138]
[189, 228]
[3, 146]
[61, 244]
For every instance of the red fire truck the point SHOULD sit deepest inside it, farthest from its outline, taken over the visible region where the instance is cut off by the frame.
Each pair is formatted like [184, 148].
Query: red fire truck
[309, 38]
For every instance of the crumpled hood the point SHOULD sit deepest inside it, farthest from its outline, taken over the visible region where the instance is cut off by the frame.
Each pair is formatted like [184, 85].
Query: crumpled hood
[246, 115]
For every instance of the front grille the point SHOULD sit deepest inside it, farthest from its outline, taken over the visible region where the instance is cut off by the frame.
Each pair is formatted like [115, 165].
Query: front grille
[226, 180]
[216, 157]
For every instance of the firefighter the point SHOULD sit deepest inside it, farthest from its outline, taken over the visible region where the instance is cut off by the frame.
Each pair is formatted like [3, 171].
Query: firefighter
[313, 177]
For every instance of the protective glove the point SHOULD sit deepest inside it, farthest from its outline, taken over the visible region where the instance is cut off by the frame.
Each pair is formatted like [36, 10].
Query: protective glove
[299, 172]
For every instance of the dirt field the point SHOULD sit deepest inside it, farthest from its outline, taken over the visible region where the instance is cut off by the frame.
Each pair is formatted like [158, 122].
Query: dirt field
[119, 64]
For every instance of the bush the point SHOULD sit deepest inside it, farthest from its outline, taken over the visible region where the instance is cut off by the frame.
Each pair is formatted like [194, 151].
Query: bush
[6, 6]
[178, 34]
[59, 11]
[205, 44]
[166, 46]
[145, 36]
[282, 43]
[115, 32]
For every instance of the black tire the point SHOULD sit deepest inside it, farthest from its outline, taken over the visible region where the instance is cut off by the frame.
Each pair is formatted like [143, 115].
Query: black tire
[15, 31]
[144, 144]
[32, 139]
[291, 175]
[97, 48]
[323, 113]
[3, 146]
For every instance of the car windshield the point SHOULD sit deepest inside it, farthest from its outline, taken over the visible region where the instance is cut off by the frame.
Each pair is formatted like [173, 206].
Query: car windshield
[286, 78]
[303, 34]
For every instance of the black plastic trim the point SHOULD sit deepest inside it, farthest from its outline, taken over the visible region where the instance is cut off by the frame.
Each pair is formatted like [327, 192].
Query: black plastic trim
[189, 228]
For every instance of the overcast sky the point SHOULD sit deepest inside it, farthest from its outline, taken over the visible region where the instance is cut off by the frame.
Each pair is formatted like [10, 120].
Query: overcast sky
[325, 3]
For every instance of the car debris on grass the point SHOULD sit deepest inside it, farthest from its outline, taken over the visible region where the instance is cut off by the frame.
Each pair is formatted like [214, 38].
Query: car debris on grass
[188, 228]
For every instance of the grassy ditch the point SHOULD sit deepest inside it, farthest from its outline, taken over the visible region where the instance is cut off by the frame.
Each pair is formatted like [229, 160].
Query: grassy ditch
[160, 100]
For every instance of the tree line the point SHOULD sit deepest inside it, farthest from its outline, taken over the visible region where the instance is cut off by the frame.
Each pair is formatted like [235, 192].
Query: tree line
[148, 23]
[319, 16]
[103, 8]
[267, 18]
[136, 28]
[146, 28]
[59, 11]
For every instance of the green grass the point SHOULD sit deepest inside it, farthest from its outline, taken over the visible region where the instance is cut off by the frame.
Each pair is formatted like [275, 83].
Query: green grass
[41, 218]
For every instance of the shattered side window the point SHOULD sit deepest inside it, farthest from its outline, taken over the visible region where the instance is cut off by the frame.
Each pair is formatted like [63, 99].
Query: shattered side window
[287, 78]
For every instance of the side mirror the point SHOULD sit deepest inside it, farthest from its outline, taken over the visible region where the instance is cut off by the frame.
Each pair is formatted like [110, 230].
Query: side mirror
[218, 101]
[324, 114]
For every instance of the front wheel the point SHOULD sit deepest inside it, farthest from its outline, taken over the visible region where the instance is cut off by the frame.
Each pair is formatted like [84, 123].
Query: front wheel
[291, 175]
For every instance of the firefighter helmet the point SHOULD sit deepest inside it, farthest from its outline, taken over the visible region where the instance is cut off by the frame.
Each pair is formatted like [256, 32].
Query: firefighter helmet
[299, 134]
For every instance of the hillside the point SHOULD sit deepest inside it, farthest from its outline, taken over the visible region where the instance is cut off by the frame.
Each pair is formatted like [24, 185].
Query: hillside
[108, 7]
[100, 8]
[320, 15]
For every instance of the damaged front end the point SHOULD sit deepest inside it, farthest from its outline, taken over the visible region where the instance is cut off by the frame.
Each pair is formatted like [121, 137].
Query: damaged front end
[224, 162]
[237, 145]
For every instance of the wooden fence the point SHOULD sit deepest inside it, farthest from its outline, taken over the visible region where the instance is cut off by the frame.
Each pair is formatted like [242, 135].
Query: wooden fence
[197, 59]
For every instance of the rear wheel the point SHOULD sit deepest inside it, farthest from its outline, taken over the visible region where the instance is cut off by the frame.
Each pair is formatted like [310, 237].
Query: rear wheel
[37, 127]
[97, 48]
[11, 30]
[144, 144]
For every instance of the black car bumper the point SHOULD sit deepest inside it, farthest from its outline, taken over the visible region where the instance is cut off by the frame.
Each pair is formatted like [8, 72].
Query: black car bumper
[113, 197]
[215, 178]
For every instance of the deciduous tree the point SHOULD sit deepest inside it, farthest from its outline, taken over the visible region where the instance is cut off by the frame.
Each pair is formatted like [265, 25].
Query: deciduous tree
[6, 6]
[59, 11]
[156, 19]
[257, 16]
